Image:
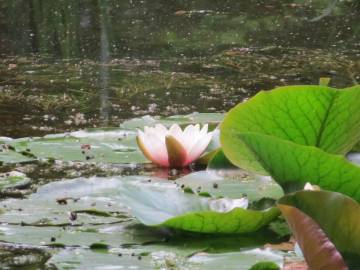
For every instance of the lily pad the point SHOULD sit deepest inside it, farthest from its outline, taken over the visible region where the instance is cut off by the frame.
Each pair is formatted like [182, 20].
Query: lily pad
[237, 260]
[43, 219]
[162, 204]
[232, 184]
[318, 116]
[107, 146]
[10, 156]
[193, 118]
[293, 165]
[89, 259]
[13, 179]
[337, 217]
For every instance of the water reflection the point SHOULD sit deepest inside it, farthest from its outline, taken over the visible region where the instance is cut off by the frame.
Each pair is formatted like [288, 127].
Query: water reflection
[72, 28]
[111, 60]
[104, 59]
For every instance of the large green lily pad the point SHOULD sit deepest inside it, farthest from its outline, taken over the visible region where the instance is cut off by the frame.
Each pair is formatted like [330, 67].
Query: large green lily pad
[318, 116]
[293, 165]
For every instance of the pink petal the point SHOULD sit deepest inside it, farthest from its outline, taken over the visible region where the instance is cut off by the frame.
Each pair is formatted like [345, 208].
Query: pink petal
[155, 149]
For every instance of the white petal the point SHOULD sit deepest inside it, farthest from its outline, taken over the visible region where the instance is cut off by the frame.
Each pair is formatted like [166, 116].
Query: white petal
[190, 136]
[204, 130]
[161, 129]
[199, 147]
[177, 133]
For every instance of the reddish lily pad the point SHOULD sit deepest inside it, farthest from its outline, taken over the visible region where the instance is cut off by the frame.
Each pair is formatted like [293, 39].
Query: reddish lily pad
[319, 218]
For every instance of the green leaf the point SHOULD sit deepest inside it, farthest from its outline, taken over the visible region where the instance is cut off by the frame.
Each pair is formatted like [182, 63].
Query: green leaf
[193, 118]
[242, 260]
[39, 220]
[265, 266]
[9, 156]
[207, 157]
[293, 165]
[232, 184]
[236, 221]
[220, 161]
[307, 115]
[336, 214]
[93, 145]
[99, 246]
[165, 204]
[356, 148]
[13, 179]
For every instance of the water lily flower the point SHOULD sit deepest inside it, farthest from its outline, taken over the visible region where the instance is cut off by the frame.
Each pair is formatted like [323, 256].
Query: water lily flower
[173, 147]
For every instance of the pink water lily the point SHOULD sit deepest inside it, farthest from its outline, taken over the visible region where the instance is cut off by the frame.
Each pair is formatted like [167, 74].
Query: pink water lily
[173, 147]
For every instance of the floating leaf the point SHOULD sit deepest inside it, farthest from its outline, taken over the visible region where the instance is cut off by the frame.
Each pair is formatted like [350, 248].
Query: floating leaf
[232, 184]
[107, 145]
[266, 265]
[10, 155]
[193, 118]
[220, 161]
[40, 220]
[13, 179]
[307, 115]
[336, 215]
[167, 205]
[243, 260]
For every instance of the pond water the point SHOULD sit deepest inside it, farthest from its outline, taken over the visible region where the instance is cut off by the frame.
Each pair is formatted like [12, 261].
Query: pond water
[75, 63]
[67, 65]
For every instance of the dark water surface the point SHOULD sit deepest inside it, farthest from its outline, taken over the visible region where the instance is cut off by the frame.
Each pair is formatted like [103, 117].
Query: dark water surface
[69, 64]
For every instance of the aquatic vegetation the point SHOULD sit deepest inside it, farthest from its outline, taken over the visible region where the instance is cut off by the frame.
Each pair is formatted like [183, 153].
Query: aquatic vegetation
[284, 140]
[298, 135]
